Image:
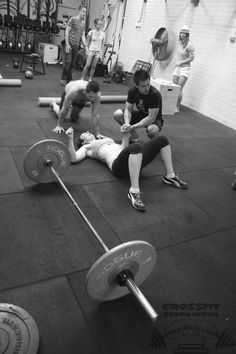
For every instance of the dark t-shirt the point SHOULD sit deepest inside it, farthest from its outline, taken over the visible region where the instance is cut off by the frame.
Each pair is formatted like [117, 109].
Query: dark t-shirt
[143, 102]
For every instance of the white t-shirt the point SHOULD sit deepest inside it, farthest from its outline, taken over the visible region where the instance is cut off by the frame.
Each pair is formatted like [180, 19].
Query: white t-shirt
[96, 40]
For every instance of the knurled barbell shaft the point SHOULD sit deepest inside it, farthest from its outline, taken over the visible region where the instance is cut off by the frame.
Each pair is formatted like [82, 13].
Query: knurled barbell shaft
[78, 208]
[129, 283]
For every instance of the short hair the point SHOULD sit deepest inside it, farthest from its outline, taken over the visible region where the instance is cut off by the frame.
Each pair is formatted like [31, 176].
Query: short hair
[92, 86]
[82, 7]
[140, 75]
[97, 20]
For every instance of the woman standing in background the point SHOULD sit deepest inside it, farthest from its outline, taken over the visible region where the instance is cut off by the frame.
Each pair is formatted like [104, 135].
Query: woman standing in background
[95, 42]
[185, 54]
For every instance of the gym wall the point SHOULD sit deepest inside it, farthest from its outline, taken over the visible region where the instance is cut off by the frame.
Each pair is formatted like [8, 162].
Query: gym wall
[211, 88]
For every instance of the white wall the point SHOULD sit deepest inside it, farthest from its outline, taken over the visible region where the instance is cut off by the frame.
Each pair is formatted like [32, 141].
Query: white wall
[211, 88]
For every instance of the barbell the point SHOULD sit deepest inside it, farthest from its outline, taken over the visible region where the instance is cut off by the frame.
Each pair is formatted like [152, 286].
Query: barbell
[112, 275]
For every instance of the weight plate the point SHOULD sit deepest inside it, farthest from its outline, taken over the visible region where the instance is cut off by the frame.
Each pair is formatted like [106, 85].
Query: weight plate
[48, 149]
[18, 331]
[137, 256]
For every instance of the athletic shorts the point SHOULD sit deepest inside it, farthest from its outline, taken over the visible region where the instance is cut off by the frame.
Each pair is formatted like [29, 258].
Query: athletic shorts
[96, 53]
[76, 107]
[136, 116]
[149, 150]
[182, 71]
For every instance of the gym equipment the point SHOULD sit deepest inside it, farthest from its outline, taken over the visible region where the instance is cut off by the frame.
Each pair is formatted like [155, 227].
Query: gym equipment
[33, 60]
[10, 82]
[16, 63]
[162, 44]
[18, 331]
[29, 73]
[45, 101]
[112, 275]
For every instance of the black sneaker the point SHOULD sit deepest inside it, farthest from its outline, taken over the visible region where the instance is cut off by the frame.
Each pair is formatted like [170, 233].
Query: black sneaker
[136, 201]
[175, 181]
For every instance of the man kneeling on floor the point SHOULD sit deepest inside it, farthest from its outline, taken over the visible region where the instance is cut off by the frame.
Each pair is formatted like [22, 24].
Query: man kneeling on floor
[77, 94]
[126, 160]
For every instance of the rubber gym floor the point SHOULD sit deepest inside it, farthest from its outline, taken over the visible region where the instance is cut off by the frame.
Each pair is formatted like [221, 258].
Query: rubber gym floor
[47, 249]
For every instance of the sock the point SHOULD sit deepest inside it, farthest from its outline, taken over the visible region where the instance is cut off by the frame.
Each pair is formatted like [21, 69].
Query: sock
[170, 175]
[134, 190]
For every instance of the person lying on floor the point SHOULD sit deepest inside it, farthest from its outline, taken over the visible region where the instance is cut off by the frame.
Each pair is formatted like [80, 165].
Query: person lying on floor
[126, 160]
[77, 94]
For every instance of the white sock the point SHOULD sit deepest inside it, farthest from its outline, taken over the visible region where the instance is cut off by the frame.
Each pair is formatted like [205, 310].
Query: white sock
[171, 175]
[134, 190]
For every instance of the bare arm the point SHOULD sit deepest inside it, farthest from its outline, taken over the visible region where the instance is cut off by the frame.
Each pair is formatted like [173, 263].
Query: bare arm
[125, 138]
[127, 112]
[80, 154]
[85, 43]
[67, 31]
[88, 40]
[96, 115]
[63, 112]
[152, 113]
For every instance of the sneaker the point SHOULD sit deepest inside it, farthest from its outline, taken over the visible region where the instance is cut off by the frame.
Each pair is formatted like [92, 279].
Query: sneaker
[132, 140]
[136, 201]
[175, 181]
[133, 137]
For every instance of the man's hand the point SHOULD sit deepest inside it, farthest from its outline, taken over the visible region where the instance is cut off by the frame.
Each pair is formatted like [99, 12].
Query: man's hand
[126, 128]
[58, 129]
[99, 136]
[70, 133]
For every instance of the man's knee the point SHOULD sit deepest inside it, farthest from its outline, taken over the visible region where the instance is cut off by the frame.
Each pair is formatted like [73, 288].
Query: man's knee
[119, 116]
[152, 131]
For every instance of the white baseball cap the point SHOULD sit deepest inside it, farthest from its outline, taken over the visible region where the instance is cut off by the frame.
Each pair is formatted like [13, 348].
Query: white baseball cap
[185, 29]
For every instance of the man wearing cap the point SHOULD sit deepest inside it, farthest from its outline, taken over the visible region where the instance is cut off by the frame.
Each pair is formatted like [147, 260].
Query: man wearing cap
[184, 54]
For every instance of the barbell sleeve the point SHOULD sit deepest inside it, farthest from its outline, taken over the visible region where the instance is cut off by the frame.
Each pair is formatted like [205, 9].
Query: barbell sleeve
[134, 290]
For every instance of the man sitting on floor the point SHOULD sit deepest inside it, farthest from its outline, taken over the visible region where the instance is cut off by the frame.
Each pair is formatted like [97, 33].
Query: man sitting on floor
[126, 160]
[77, 94]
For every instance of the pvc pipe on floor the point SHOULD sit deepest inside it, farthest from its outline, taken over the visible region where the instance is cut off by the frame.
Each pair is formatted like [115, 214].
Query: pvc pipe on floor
[45, 101]
[10, 82]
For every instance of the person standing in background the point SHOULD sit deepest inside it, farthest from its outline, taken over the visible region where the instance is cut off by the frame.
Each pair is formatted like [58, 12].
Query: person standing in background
[74, 33]
[95, 42]
[185, 54]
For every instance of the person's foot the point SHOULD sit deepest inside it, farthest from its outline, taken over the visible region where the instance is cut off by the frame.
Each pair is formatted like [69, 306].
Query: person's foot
[175, 181]
[132, 140]
[63, 82]
[133, 137]
[136, 201]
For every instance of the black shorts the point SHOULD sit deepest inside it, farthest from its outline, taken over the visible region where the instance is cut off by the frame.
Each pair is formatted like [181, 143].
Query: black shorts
[149, 150]
[76, 107]
[136, 116]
